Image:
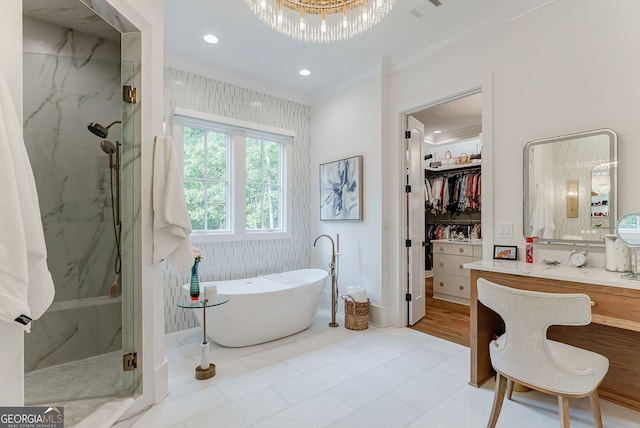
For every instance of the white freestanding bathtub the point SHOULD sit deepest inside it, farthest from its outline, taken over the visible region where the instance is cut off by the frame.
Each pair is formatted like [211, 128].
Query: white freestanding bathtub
[264, 308]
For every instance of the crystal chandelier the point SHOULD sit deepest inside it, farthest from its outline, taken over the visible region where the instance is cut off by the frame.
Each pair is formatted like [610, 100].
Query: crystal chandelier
[321, 21]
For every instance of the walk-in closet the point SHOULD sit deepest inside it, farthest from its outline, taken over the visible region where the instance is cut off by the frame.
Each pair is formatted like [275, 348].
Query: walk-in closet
[452, 209]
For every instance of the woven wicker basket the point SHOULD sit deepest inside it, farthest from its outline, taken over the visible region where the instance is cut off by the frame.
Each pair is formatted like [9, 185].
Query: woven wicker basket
[356, 314]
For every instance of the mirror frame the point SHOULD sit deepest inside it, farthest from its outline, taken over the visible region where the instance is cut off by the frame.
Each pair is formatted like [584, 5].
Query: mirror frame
[613, 159]
[636, 214]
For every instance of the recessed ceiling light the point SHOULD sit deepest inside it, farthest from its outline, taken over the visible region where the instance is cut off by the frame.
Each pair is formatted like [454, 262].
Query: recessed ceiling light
[437, 132]
[210, 38]
[304, 72]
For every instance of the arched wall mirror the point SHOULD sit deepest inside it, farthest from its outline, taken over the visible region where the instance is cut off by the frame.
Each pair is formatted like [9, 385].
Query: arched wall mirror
[570, 187]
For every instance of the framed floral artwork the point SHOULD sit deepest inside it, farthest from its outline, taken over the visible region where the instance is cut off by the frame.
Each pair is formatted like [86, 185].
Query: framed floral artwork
[341, 189]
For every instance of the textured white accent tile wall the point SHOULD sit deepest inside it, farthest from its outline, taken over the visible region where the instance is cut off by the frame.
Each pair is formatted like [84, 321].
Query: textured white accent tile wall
[232, 260]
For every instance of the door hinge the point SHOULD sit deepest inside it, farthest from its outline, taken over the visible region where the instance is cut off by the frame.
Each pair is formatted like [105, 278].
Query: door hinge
[407, 243]
[407, 297]
[407, 188]
[130, 94]
[407, 134]
[129, 361]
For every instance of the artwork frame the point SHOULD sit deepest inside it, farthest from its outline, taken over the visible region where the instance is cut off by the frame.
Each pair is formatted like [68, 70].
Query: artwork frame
[341, 189]
[505, 252]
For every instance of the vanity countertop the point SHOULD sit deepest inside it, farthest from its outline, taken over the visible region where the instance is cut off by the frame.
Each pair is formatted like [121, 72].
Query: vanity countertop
[586, 275]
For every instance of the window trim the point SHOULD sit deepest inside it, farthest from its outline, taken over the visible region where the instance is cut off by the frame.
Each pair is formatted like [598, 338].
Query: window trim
[180, 112]
[238, 230]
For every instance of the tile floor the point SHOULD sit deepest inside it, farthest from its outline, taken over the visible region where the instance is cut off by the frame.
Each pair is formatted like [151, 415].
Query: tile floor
[96, 376]
[99, 376]
[333, 377]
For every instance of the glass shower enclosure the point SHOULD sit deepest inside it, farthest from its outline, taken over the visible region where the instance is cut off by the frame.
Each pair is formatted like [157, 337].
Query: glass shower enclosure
[75, 351]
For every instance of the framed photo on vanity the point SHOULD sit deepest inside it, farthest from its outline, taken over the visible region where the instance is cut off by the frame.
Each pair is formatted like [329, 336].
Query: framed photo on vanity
[505, 252]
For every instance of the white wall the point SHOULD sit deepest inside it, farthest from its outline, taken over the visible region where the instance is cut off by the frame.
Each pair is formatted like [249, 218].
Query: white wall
[570, 66]
[346, 125]
[148, 16]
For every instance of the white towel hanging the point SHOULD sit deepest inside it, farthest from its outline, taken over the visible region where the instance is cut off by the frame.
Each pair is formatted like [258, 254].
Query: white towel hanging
[26, 286]
[542, 224]
[171, 223]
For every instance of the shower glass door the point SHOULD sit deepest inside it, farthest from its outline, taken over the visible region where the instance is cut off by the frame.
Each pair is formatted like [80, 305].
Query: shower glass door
[75, 350]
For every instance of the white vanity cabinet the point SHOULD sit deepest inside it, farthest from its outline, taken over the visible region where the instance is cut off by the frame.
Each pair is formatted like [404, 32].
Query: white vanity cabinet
[450, 278]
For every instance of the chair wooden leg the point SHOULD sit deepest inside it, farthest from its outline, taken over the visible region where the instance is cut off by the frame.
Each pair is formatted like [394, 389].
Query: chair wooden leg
[563, 408]
[510, 385]
[595, 406]
[498, 398]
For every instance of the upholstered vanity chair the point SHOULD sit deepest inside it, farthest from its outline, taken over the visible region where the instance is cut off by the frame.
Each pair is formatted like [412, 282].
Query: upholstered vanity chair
[523, 354]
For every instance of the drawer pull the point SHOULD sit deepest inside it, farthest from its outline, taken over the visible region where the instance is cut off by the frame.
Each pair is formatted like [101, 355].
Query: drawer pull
[462, 287]
[441, 284]
[461, 250]
[592, 303]
[441, 264]
[460, 266]
[441, 248]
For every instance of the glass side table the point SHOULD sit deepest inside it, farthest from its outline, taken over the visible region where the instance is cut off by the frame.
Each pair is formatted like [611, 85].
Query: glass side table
[206, 369]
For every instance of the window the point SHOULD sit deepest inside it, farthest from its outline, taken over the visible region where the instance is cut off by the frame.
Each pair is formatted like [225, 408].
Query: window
[263, 183]
[235, 177]
[206, 178]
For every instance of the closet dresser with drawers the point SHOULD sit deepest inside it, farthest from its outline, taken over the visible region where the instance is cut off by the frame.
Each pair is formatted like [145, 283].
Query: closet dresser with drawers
[450, 278]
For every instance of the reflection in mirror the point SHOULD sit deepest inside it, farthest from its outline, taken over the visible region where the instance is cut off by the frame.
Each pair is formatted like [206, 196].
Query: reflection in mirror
[570, 187]
[600, 186]
[628, 230]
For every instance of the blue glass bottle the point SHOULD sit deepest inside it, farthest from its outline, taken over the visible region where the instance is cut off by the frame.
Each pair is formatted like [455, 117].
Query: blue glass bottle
[194, 289]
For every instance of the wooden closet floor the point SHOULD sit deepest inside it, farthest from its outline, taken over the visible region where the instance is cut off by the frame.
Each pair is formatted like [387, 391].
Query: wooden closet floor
[446, 320]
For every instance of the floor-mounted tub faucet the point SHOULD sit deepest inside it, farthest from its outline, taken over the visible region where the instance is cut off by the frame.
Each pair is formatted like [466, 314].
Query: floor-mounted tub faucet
[332, 274]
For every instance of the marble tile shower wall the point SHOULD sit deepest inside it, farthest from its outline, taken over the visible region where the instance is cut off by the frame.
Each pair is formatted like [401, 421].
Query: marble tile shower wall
[72, 79]
[232, 260]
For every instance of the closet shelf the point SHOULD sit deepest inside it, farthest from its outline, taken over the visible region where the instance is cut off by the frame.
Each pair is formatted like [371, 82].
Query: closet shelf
[454, 167]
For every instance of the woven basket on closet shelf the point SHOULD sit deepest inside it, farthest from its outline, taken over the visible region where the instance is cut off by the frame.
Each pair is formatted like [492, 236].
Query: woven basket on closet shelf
[356, 314]
[462, 159]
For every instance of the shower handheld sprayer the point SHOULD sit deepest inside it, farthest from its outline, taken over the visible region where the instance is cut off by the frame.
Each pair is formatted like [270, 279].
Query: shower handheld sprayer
[112, 150]
[108, 147]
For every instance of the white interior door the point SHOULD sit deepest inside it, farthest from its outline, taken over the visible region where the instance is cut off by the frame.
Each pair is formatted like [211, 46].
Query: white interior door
[415, 221]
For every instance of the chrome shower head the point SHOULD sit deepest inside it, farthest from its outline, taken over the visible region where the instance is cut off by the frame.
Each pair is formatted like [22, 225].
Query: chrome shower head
[108, 147]
[99, 130]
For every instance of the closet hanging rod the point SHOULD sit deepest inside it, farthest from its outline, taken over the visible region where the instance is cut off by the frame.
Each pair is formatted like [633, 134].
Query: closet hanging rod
[447, 175]
[467, 170]
[470, 221]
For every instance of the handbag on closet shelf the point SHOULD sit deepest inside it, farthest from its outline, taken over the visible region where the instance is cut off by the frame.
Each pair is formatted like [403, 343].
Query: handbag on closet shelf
[447, 159]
